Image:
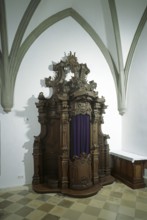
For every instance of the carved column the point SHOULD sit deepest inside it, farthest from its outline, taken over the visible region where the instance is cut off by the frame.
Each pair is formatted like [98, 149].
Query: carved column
[64, 145]
[95, 144]
[37, 177]
[37, 148]
[101, 150]
[107, 157]
[104, 160]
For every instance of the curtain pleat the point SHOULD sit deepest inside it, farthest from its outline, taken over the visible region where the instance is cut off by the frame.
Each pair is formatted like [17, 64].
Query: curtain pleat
[79, 135]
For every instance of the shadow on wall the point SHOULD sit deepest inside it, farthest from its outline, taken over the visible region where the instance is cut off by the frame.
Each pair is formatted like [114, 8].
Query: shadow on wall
[30, 116]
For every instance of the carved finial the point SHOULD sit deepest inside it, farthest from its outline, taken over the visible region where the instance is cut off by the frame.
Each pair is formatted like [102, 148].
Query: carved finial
[41, 95]
[72, 62]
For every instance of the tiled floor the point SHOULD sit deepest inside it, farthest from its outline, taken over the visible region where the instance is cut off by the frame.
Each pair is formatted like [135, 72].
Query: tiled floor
[112, 202]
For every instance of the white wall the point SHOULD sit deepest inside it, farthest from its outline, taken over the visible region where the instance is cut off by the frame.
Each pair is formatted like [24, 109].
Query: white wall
[134, 126]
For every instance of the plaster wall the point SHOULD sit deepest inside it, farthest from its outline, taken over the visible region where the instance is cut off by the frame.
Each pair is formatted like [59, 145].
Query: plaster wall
[134, 126]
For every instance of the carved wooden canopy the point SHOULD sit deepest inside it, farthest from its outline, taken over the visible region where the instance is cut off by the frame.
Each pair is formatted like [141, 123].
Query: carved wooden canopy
[77, 85]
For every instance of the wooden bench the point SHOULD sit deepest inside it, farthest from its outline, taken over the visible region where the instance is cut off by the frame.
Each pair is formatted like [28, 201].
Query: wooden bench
[128, 168]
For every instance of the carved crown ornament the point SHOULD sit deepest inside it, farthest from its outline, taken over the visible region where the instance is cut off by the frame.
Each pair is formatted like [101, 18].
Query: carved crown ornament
[77, 85]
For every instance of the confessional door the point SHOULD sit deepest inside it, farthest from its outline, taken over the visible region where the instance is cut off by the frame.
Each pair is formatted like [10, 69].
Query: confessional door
[80, 158]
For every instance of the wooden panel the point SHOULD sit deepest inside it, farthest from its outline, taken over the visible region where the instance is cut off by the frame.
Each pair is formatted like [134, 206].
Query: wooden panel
[129, 173]
[51, 152]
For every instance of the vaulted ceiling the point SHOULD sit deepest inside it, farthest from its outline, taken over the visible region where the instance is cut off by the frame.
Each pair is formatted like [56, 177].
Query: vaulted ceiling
[11, 58]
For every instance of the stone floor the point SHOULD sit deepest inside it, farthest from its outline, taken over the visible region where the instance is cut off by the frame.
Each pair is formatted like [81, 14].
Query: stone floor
[112, 202]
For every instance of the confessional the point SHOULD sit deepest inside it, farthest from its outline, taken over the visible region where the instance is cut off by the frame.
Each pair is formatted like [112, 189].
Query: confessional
[71, 153]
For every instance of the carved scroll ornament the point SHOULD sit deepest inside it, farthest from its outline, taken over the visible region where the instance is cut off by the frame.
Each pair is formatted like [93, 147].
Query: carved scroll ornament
[78, 82]
[81, 108]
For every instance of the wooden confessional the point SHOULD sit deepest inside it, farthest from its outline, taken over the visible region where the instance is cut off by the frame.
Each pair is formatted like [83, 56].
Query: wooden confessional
[71, 154]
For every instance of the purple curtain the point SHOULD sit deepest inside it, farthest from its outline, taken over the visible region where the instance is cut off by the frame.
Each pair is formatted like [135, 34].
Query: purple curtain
[79, 135]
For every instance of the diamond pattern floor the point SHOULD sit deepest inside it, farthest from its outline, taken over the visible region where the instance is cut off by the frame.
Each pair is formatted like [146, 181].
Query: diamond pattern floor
[112, 202]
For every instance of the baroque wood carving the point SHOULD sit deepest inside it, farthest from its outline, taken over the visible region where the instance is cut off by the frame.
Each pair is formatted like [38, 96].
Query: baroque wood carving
[71, 153]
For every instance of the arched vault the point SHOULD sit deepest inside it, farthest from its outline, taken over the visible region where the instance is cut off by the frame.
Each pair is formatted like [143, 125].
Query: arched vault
[10, 63]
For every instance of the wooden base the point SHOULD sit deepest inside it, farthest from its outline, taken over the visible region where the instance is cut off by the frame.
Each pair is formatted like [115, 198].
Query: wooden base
[136, 185]
[105, 180]
[42, 188]
[79, 193]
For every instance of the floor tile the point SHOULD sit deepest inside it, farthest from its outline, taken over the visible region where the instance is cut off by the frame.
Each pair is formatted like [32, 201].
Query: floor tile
[111, 207]
[46, 207]
[14, 207]
[65, 203]
[77, 207]
[35, 204]
[124, 217]
[142, 199]
[113, 202]
[72, 214]
[54, 200]
[93, 211]
[13, 216]
[58, 211]
[84, 201]
[44, 197]
[128, 203]
[85, 216]
[32, 195]
[141, 214]
[141, 206]
[24, 211]
[108, 215]
[5, 204]
[50, 217]
[5, 195]
[127, 210]
[97, 203]
[24, 201]
[36, 215]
